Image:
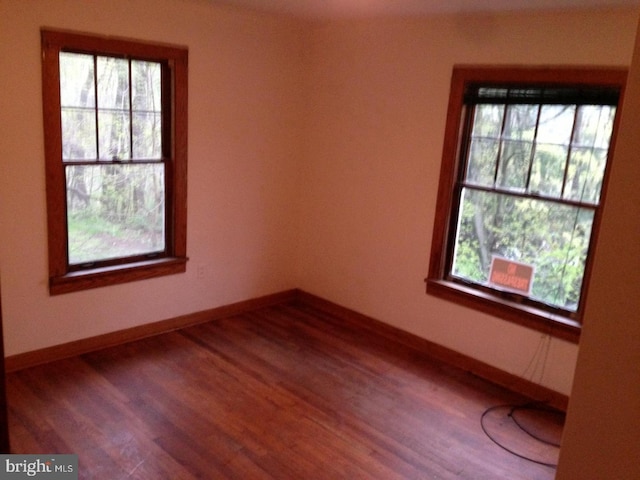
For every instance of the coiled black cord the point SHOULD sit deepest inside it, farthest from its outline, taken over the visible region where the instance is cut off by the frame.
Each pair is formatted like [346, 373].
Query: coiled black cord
[512, 410]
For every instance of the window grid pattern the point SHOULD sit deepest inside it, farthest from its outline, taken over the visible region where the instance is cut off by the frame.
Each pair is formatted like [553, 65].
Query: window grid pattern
[116, 173]
[111, 114]
[111, 108]
[509, 142]
[534, 166]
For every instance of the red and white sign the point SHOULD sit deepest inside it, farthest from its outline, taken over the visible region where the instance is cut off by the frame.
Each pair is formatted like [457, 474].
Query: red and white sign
[509, 275]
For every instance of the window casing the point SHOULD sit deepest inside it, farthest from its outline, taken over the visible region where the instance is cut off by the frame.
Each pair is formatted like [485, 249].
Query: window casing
[115, 127]
[523, 179]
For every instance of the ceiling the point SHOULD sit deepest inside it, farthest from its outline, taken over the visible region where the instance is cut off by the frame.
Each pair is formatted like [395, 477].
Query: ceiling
[323, 9]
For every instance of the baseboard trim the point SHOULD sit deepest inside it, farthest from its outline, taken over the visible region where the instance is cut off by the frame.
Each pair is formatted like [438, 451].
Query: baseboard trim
[58, 352]
[442, 354]
[438, 352]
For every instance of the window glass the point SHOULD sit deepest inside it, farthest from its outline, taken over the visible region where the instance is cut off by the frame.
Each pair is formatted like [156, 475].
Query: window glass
[523, 177]
[521, 215]
[78, 102]
[114, 209]
[115, 130]
[552, 149]
[551, 237]
[588, 159]
[146, 110]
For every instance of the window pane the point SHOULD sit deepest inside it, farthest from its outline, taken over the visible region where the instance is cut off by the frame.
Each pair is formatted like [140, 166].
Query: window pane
[147, 136]
[114, 135]
[553, 238]
[78, 134]
[146, 86]
[515, 159]
[485, 141]
[585, 174]
[147, 110]
[77, 98]
[547, 171]
[113, 83]
[556, 124]
[483, 156]
[552, 149]
[77, 87]
[594, 124]
[113, 109]
[114, 211]
[520, 122]
[487, 121]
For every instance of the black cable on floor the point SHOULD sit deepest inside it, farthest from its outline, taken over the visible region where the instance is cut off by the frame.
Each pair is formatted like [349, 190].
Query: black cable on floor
[513, 408]
[516, 408]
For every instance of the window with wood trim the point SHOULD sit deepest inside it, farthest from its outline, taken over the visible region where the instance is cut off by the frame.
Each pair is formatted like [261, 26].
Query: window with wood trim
[115, 128]
[522, 184]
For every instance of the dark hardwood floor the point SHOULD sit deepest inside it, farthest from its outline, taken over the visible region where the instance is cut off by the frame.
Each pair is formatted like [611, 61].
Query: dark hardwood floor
[285, 392]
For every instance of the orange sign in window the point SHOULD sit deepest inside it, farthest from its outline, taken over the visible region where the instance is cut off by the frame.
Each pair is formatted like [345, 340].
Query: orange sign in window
[510, 275]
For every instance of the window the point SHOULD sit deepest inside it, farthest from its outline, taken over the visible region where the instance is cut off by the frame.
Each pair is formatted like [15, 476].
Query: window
[522, 184]
[115, 127]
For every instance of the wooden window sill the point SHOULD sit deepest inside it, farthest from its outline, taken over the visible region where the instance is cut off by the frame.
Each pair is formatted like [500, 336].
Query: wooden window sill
[100, 277]
[549, 323]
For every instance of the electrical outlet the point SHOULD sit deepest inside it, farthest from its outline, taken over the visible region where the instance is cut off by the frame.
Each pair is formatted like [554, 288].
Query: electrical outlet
[202, 271]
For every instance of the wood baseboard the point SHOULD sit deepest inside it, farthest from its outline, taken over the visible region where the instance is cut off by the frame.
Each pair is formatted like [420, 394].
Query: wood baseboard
[86, 345]
[445, 355]
[438, 352]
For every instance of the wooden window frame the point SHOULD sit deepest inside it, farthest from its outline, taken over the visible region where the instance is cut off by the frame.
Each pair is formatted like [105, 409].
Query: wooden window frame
[62, 277]
[438, 282]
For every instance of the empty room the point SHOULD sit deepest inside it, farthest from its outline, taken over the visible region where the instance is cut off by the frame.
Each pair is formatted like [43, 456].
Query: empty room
[320, 239]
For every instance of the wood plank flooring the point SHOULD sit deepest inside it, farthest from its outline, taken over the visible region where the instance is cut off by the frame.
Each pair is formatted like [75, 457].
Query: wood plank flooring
[285, 392]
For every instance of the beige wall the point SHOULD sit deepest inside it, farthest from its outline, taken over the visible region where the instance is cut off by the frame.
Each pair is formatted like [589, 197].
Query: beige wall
[378, 93]
[314, 152]
[602, 433]
[243, 100]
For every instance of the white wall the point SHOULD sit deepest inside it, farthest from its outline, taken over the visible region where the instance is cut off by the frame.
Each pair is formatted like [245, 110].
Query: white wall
[314, 153]
[377, 97]
[243, 150]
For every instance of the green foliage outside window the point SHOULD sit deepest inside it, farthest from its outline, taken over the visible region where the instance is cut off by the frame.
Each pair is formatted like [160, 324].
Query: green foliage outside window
[112, 150]
[532, 180]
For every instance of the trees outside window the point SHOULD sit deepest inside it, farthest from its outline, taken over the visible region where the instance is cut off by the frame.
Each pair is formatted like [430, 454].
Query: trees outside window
[523, 182]
[115, 138]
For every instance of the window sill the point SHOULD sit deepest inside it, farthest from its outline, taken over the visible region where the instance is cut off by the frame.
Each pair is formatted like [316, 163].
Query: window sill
[101, 277]
[552, 324]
